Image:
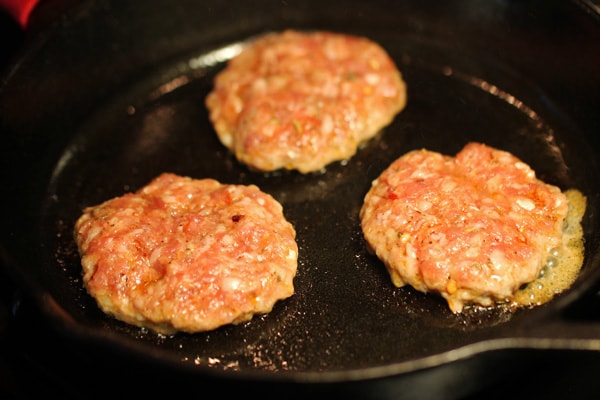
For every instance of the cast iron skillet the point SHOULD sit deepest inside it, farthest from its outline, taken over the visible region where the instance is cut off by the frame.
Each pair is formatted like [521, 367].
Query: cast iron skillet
[110, 94]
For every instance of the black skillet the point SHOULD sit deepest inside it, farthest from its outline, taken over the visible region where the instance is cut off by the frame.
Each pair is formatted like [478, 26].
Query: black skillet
[109, 94]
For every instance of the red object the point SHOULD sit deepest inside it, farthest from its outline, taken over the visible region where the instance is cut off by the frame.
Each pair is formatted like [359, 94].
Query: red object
[19, 9]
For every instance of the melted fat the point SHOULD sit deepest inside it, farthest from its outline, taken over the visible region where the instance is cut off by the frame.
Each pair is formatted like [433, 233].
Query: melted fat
[562, 268]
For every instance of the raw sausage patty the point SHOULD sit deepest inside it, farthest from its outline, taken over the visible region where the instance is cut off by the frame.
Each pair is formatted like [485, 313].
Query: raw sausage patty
[473, 228]
[187, 255]
[297, 100]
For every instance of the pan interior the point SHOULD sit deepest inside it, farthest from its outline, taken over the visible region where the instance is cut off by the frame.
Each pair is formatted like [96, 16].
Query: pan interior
[345, 314]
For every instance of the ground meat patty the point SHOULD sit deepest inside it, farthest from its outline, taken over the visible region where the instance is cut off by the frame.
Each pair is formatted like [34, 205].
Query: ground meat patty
[473, 228]
[299, 100]
[187, 255]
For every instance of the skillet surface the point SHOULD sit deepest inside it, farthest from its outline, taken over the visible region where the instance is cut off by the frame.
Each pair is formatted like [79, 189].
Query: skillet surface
[106, 122]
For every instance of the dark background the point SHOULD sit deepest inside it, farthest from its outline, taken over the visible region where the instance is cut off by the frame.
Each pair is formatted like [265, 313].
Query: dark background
[36, 360]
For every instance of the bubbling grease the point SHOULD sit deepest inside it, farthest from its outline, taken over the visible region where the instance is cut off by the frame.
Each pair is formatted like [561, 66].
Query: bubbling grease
[563, 264]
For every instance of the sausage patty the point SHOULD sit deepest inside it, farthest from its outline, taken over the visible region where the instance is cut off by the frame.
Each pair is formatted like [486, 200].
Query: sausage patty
[473, 228]
[187, 255]
[297, 100]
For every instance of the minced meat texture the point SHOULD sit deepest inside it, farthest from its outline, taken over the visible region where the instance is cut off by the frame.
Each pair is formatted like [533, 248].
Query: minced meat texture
[184, 254]
[474, 227]
[301, 100]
